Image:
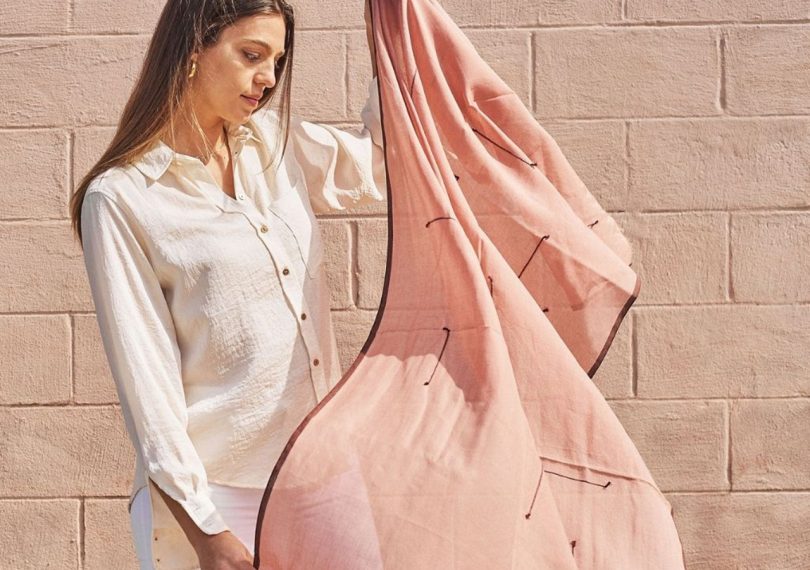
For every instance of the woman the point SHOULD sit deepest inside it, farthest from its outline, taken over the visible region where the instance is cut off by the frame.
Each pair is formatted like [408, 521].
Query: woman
[205, 266]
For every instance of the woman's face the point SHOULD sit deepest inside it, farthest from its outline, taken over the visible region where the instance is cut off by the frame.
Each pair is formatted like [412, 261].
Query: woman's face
[233, 73]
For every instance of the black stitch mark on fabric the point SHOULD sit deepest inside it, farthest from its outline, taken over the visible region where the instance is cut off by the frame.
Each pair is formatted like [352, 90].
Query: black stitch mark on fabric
[545, 309]
[573, 544]
[605, 486]
[490, 284]
[439, 218]
[532, 255]
[504, 149]
[529, 514]
[440, 356]
[593, 223]
[456, 175]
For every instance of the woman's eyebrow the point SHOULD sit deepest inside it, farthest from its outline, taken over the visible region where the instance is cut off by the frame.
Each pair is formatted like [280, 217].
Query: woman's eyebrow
[265, 45]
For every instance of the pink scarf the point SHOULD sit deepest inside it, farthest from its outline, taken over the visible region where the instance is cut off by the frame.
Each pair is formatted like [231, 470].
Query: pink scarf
[468, 433]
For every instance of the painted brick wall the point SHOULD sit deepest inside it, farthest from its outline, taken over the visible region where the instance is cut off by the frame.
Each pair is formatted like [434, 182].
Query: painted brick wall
[689, 120]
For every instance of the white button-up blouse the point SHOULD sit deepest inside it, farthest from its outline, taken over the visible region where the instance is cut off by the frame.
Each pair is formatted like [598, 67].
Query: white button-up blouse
[214, 311]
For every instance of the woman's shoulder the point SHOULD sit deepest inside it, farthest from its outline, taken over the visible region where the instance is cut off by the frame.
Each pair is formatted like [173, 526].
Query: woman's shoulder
[121, 188]
[116, 183]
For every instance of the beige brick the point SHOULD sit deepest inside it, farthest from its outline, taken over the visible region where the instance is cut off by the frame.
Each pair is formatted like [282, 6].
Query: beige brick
[93, 383]
[67, 81]
[25, 17]
[352, 329]
[65, 452]
[767, 70]
[712, 11]
[39, 534]
[49, 272]
[372, 255]
[344, 13]
[531, 12]
[596, 151]
[769, 444]
[35, 357]
[683, 443]
[631, 72]
[99, 16]
[680, 258]
[89, 145]
[341, 14]
[719, 163]
[319, 70]
[108, 536]
[614, 377]
[358, 72]
[40, 192]
[723, 352]
[769, 259]
[336, 236]
[744, 531]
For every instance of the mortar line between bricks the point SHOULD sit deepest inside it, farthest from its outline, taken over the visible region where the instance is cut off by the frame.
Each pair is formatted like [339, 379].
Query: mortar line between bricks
[82, 532]
[722, 57]
[79, 498]
[642, 307]
[618, 24]
[346, 102]
[44, 313]
[738, 492]
[729, 458]
[116, 406]
[475, 27]
[563, 120]
[72, 359]
[725, 399]
[730, 293]
[354, 262]
[532, 74]
[634, 354]
[109, 406]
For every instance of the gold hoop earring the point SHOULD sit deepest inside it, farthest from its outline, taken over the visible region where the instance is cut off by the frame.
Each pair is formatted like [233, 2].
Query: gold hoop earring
[193, 69]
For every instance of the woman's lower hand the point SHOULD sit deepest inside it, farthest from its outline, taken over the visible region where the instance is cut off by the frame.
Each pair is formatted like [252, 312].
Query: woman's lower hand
[223, 551]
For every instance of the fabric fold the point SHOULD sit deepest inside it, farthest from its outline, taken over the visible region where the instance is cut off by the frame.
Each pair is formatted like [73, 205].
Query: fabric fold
[468, 432]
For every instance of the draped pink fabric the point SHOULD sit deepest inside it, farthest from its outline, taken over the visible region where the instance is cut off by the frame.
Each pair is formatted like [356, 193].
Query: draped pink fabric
[468, 433]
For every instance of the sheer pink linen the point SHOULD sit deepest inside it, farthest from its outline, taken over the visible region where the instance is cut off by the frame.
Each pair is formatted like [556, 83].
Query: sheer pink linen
[468, 433]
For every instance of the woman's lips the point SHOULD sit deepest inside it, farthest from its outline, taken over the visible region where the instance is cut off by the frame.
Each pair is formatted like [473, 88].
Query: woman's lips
[250, 100]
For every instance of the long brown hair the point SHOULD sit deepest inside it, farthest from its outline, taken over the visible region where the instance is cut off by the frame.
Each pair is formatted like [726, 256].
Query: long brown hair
[185, 27]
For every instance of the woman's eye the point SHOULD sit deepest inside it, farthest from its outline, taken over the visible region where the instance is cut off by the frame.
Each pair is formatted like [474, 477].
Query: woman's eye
[251, 56]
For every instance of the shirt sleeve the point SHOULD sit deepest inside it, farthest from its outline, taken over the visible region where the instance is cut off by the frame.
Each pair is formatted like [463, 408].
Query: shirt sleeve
[342, 167]
[138, 336]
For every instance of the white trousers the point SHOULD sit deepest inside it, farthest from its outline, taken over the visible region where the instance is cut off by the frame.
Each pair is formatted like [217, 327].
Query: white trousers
[238, 507]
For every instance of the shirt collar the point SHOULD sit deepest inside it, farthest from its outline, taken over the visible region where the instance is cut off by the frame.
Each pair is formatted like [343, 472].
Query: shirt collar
[155, 161]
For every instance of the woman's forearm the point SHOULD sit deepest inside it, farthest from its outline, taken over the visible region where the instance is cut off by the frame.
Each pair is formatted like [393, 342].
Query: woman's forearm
[196, 536]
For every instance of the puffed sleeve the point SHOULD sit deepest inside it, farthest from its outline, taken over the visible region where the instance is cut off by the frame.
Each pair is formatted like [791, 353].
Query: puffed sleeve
[342, 167]
[139, 340]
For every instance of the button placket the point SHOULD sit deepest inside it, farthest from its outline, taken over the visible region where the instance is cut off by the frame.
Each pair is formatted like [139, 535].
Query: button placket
[313, 346]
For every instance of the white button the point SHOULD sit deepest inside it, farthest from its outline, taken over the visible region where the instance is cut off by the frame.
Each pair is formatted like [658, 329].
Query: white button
[241, 196]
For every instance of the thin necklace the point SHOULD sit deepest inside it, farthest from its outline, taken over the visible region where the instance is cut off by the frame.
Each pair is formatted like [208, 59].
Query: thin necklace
[214, 152]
